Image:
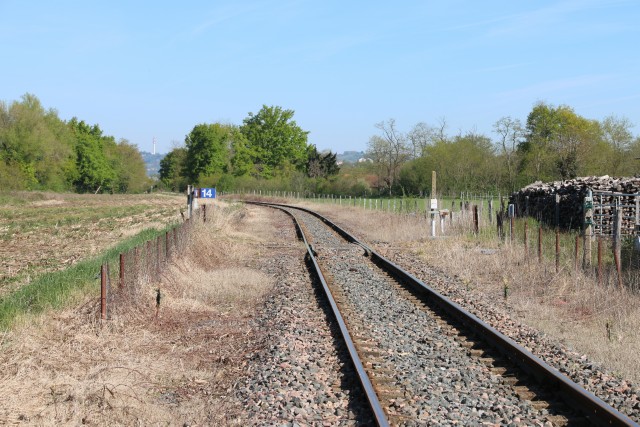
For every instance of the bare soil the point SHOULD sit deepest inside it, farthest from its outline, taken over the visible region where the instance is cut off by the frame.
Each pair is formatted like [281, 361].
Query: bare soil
[44, 232]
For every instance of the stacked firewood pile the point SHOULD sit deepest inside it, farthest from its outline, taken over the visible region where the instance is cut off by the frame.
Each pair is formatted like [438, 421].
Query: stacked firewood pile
[538, 200]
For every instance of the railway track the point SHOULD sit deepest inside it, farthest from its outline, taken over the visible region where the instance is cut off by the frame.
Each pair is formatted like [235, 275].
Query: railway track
[421, 359]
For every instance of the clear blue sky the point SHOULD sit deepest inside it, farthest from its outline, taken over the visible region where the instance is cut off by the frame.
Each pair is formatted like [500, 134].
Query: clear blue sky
[156, 69]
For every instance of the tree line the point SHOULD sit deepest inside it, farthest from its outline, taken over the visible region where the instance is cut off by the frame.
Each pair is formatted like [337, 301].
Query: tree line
[555, 143]
[269, 149]
[39, 151]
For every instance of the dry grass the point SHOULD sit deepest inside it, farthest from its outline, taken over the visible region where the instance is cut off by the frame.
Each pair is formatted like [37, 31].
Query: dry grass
[136, 369]
[599, 321]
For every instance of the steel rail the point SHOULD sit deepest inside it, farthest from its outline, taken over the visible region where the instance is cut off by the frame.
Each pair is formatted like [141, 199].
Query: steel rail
[376, 408]
[583, 401]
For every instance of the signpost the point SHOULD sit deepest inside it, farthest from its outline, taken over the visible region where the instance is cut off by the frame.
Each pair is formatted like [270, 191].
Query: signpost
[206, 193]
[193, 194]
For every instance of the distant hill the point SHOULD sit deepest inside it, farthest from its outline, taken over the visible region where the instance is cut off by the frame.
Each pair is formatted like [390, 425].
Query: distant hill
[152, 162]
[350, 156]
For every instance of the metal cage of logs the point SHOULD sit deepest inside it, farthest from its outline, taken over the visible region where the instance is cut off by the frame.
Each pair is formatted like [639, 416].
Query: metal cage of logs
[615, 205]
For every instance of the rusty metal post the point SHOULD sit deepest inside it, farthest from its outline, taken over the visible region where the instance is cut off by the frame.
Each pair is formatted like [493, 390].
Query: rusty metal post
[103, 292]
[204, 213]
[599, 260]
[122, 267]
[557, 250]
[476, 222]
[540, 244]
[616, 258]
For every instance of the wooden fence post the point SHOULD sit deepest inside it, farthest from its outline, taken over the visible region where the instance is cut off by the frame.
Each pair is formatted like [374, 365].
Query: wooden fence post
[557, 206]
[476, 224]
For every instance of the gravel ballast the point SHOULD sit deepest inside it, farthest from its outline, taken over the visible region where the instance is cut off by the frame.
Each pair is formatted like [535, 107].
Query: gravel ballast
[302, 377]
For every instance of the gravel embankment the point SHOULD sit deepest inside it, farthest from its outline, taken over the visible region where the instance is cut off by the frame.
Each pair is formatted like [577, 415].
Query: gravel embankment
[299, 378]
[617, 392]
[301, 375]
[436, 379]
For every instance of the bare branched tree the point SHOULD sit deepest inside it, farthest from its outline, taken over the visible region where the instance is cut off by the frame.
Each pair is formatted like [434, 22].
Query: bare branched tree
[510, 133]
[389, 152]
[419, 138]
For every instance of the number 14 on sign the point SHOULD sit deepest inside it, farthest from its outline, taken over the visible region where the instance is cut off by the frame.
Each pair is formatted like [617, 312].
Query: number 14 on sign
[208, 193]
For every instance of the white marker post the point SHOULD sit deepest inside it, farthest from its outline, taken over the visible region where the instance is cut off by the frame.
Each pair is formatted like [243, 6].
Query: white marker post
[434, 204]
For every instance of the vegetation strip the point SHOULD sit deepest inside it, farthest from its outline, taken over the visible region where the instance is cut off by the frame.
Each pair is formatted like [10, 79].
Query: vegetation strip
[54, 290]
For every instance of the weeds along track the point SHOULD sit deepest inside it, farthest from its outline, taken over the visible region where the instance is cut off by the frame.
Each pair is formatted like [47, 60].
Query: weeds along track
[422, 359]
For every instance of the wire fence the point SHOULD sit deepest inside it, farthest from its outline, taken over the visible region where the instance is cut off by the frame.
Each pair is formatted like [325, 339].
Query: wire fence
[612, 259]
[144, 264]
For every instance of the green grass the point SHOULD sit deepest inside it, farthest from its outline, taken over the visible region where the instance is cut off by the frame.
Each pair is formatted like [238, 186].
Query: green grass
[57, 289]
[407, 205]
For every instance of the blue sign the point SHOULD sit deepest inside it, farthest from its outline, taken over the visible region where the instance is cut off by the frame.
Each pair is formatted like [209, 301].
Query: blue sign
[207, 193]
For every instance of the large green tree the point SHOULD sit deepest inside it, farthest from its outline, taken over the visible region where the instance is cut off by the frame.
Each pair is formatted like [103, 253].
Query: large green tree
[208, 148]
[463, 163]
[36, 148]
[171, 169]
[321, 165]
[275, 142]
[39, 151]
[94, 172]
[557, 143]
[129, 167]
[616, 134]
